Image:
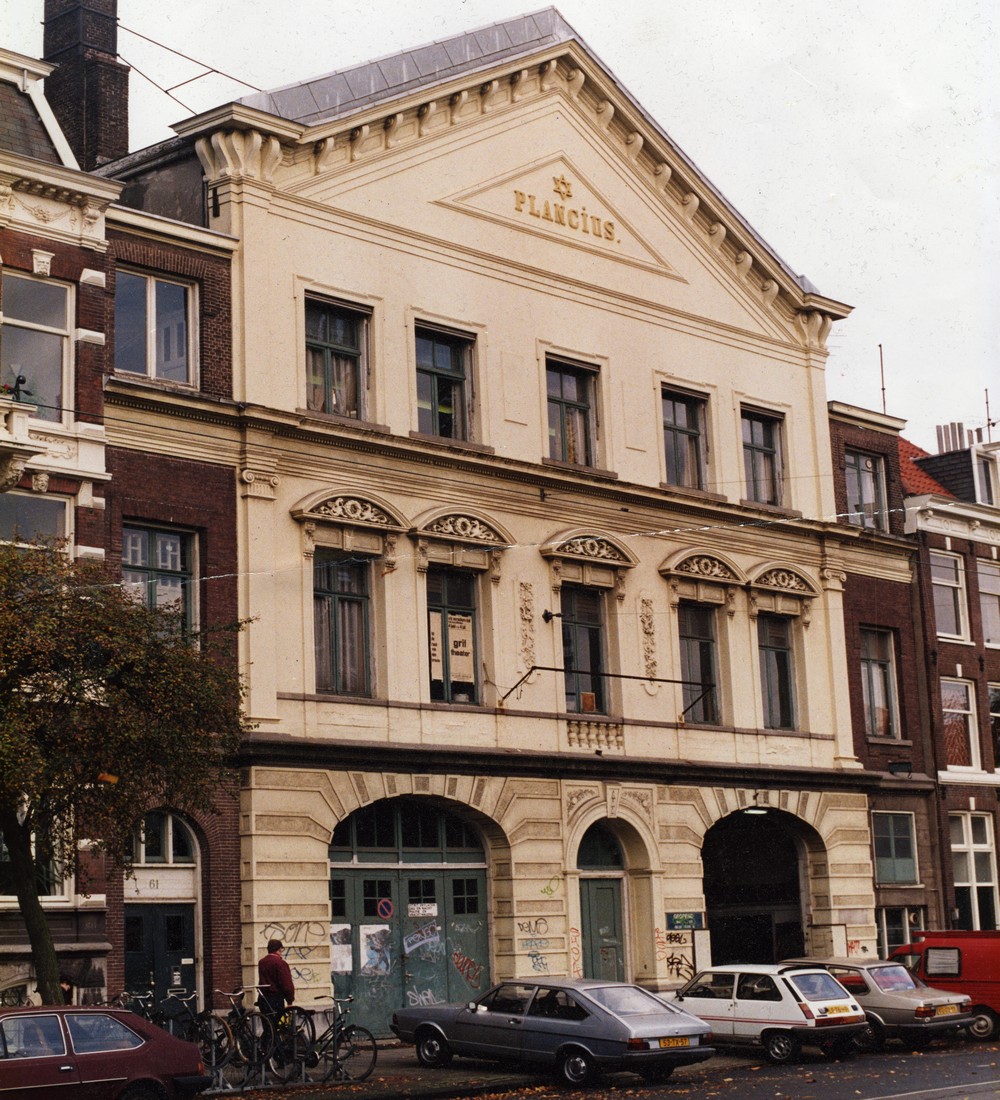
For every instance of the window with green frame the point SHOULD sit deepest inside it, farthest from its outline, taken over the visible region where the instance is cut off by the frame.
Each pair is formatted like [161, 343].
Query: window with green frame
[451, 627]
[336, 354]
[156, 568]
[402, 830]
[570, 399]
[895, 848]
[583, 649]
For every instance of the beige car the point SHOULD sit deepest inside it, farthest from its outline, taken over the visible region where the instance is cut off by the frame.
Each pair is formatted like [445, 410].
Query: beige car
[898, 1005]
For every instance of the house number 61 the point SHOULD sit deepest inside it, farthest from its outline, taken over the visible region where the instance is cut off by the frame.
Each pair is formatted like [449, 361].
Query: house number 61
[154, 884]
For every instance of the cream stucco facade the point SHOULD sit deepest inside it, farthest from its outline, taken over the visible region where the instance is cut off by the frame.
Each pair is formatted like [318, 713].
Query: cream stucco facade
[526, 211]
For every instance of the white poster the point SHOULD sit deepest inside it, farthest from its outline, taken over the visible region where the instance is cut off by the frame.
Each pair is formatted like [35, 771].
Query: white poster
[461, 666]
[341, 961]
[437, 661]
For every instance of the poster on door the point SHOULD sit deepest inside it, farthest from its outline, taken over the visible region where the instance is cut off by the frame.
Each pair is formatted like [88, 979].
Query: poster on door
[341, 960]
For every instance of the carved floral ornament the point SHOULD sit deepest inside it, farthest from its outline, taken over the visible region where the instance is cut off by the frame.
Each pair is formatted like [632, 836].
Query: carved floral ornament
[465, 527]
[593, 548]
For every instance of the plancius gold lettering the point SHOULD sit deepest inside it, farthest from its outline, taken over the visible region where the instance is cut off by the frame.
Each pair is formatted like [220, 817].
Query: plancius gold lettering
[569, 216]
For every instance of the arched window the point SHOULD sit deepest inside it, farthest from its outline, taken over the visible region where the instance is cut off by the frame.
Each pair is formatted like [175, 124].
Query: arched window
[163, 837]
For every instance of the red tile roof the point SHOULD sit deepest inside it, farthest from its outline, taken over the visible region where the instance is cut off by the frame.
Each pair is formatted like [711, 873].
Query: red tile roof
[916, 481]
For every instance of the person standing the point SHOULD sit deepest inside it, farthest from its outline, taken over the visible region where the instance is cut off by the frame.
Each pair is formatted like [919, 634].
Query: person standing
[275, 978]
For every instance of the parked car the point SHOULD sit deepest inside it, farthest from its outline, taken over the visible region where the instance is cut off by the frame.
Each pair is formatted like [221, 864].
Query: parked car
[94, 1053]
[579, 1027]
[777, 1006]
[962, 962]
[897, 1004]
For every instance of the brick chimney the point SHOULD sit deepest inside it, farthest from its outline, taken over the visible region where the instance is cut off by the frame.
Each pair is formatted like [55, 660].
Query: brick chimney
[88, 91]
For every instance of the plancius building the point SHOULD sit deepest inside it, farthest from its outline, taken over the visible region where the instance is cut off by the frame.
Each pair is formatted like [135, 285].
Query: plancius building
[536, 530]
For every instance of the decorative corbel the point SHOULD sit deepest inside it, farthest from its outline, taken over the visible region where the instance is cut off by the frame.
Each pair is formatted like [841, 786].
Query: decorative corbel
[455, 105]
[496, 558]
[390, 126]
[744, 261]
[731, 601]
[486, 93]
[633, 145]
[752, 608]
[662, 173]
[548, 74]
[717, 234]
[574, 83]
[620, 585]
[308, 540]
[357, 139]
[556, 566]
[423, 561]
[389, 553]
[770, 291]
[815, 327]
[605, 113]
[425, 114]
[806, 615]
[690, 202]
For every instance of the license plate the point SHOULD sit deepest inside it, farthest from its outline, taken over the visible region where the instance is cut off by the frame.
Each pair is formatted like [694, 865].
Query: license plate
[678, 1042]
[947, 1010]
[837, 1010]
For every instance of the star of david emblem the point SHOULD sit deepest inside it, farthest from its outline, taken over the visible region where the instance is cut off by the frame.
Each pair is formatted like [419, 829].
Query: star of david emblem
[562, 187]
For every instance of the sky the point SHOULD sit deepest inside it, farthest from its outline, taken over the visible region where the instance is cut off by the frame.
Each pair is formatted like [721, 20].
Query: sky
[860, 140]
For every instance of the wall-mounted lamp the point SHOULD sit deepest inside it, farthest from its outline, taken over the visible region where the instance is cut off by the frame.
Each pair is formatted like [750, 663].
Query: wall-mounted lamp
[901, 767]
[548, 616]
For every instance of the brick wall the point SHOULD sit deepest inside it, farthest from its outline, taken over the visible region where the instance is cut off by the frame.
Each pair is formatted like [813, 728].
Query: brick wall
[844, 436]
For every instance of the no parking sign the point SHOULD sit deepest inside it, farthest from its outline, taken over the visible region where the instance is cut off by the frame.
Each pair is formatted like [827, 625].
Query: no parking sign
[385, 908]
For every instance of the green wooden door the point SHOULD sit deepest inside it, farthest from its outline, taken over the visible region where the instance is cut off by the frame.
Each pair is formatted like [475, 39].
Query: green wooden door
[601, 915]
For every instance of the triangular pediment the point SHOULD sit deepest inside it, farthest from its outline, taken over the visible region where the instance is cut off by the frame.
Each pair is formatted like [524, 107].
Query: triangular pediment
[554, 197]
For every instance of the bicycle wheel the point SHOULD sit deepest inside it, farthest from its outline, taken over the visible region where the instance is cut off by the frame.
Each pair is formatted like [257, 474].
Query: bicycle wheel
[356, 1053]
[253, 1039]
[294, 1038]
[214, 1039]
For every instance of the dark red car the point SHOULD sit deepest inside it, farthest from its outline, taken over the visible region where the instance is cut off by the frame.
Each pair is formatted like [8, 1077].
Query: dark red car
[94, 1053]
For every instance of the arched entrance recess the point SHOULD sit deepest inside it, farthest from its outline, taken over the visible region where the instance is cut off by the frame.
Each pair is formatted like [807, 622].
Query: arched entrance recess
[408, 908]
[615, 903]
[755, 865]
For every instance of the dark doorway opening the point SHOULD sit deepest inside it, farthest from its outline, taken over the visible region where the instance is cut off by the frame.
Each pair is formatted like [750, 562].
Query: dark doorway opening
[753, 888]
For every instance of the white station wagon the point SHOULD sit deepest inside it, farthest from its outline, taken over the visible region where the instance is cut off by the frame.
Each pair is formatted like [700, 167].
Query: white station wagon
[779, 1007]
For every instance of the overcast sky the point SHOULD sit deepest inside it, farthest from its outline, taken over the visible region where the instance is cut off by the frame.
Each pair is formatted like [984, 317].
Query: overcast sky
[861, 140]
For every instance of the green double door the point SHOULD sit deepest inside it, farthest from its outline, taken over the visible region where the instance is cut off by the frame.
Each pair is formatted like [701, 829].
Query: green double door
[411, 936]
[159, 948]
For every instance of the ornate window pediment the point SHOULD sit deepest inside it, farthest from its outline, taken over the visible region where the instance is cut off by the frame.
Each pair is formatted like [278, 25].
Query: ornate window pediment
[462, 538]
[590, 558]
[783, 590]
[350, 522]
[704, 577]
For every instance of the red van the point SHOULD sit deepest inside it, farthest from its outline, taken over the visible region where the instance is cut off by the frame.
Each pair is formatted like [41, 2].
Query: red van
[964, 962]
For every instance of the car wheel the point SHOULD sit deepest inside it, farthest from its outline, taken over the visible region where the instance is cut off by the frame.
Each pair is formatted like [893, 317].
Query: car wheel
[984, 1024]
[433, 1049]
[576, 1068]
[872, 1039]
[781, 1047]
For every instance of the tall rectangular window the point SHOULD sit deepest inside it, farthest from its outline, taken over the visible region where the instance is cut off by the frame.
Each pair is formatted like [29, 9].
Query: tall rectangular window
[684, 439]
[157, 568]
[34, 342]
[444, 362]
[696, 625]
[865, 478]
[336, 354]
[762, 459]
[895, 849]
[583, 649]
[878, 683]
[973, 860]
[987, 466]
[570, 392]
[961, 731]
[340, 613]
[774, 639]
[451, 613]
[948, 586]
[154, 335]
[989, 599]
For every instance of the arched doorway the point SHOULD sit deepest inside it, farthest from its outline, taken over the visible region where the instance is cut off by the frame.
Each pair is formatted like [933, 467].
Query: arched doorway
[754, 863]
[601, 862]
[161, 902]
[408, 909]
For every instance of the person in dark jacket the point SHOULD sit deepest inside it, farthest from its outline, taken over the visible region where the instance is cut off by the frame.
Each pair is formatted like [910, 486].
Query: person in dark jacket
[275, 979]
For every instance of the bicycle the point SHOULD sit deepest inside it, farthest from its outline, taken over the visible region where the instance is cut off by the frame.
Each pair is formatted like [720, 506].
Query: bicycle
[210, 1032]
[253, 1039]
[294, 1037]
[344, 1051]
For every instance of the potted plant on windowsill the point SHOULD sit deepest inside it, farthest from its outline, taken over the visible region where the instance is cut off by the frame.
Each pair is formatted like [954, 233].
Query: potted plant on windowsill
[16, 445]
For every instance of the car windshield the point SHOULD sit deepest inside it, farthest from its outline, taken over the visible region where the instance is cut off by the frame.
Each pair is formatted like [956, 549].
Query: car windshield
[817, 986]
[627, 1000]
[892, 979]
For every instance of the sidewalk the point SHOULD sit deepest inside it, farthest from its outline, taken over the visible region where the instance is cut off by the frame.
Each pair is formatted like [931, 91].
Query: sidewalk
[397, 1073]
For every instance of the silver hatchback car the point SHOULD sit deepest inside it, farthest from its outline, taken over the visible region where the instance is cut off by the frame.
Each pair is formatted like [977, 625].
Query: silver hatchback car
[578, 1027]
[897, 1004]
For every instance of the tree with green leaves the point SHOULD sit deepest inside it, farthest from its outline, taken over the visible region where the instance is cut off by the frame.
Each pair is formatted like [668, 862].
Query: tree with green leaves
[107, 708]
